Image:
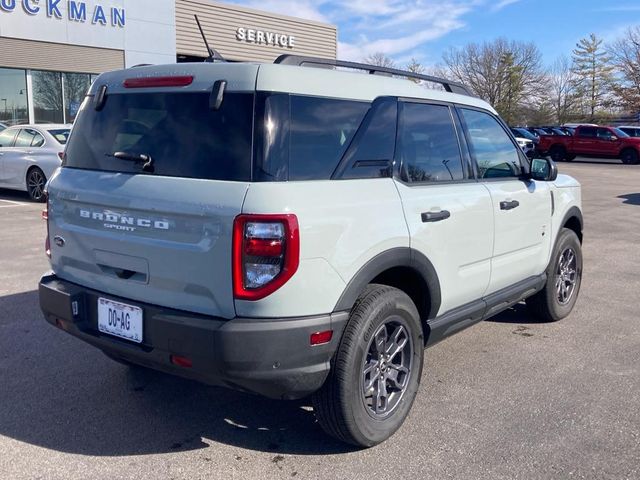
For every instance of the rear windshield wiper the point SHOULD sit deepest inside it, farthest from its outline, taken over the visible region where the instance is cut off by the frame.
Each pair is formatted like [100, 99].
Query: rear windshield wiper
[146, 160]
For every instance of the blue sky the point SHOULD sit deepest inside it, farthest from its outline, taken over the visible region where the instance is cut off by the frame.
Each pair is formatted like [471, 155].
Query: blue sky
[424, 29]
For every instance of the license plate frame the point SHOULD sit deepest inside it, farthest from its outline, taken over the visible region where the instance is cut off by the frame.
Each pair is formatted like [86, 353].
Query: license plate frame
[120, 320]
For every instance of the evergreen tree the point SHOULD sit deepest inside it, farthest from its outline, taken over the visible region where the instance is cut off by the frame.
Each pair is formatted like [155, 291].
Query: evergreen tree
[594, 73]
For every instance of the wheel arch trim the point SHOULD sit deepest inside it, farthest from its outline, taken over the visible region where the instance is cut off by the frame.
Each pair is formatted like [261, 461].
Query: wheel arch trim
[395, 257]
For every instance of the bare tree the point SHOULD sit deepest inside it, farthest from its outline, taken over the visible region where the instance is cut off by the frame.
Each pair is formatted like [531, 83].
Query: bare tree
[562, 92]
[594, 74]
[625, 56]
[415, 67]
[507, 74]
[379, 59]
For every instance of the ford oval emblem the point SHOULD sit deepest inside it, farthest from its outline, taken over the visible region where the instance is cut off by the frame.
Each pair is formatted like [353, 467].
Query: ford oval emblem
[58, 240]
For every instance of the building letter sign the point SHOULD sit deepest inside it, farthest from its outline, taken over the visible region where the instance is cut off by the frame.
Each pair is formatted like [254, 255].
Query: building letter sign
[77, 11]
[260, 37]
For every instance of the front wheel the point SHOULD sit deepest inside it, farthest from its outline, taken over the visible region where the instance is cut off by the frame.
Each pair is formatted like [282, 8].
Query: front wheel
[629, 157]
[376, 370]
[36, 181]
[564, 277]
[557, 153]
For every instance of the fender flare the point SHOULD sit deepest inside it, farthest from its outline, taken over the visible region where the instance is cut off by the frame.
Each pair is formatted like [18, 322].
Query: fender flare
[395, 257]
[571, 213]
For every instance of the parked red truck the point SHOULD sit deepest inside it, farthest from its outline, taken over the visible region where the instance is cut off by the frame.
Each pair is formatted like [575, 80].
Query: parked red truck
[591, 141]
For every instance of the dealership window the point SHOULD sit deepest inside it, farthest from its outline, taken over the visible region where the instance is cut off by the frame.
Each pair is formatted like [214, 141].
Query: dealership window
[47, 97]
[57, 96]
[14, 108]
[75, 89]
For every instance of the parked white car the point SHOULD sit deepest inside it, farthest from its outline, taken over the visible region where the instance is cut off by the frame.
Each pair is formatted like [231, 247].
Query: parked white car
[29, 154]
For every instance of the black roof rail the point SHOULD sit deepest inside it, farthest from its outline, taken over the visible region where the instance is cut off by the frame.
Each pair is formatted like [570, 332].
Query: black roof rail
[298, 60]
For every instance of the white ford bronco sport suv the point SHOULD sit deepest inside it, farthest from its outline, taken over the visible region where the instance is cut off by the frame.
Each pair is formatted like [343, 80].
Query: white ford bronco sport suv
[290, 230]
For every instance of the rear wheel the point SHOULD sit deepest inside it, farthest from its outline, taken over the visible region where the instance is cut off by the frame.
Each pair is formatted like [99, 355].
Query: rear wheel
[557, 153]
[36, 181]
[629, 157]
[564, 277]
[570, 157]
[376, 370]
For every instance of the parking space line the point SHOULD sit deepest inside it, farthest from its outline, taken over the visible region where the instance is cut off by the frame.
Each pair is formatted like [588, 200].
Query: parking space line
[11, 204]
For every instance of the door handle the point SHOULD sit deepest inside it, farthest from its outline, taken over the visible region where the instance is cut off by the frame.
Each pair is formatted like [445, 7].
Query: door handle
[509, 205]
[435, 216]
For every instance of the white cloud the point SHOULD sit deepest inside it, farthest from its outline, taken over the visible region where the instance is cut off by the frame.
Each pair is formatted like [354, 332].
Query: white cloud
[502, 4]
[398, 28]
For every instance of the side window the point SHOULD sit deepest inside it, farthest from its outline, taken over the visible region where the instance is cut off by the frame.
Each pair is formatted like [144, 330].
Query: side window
[371, 152]
[25, 137]
[6, 138]
[604, 134]
[428, 147]
[321, 131]
[588, 132]
[494, 152]
[38, 140]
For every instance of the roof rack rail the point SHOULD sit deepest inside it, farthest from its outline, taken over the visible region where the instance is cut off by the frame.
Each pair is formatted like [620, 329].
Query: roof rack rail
[298, 60]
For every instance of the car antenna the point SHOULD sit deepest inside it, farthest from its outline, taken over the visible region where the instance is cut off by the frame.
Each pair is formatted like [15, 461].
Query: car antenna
[213, 54]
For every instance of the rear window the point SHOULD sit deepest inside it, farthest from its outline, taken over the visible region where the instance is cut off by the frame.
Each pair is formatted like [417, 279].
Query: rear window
[61, 135]
[182, 135]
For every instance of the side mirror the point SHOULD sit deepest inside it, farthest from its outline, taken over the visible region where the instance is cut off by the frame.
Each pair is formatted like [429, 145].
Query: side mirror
[544, 169]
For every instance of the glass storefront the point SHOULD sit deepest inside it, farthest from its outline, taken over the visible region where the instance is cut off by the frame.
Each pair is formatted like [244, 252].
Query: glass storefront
[47, 97]
[53, 97]
[75, 89]
[14, 108]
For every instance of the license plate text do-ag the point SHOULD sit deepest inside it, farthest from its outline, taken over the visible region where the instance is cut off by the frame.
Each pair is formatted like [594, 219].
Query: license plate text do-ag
[120, 320]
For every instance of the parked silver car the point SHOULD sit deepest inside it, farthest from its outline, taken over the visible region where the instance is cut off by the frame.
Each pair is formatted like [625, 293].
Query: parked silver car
[29, 154]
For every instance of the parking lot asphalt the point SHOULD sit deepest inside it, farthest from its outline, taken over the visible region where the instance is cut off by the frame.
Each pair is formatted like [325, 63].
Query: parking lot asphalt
[508, 398]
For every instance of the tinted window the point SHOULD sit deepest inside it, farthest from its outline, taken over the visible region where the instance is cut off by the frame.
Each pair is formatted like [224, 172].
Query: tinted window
[633, 132]
[620, 133]
[321, 130]
[371, 154]
[428, 145]
[26, 137]
[183, 136]
[492, 148]
[6, 138]
[589, 132]
[38, 140]
[61, 135]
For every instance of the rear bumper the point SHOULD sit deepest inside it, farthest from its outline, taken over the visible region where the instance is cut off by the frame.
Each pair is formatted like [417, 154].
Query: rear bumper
[270, 357]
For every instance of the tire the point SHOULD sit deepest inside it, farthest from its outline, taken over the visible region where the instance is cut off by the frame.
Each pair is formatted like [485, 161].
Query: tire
[629, 157]
[343, 406]
[557, 153]
[570, 157]
[559, 295]
[35, 183]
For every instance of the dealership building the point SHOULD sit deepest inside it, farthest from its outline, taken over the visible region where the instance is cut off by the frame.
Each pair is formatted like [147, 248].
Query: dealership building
[51, 50]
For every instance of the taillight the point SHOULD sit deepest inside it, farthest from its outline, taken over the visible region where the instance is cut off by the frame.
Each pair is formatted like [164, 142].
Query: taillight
[266, 253]
[45, 217]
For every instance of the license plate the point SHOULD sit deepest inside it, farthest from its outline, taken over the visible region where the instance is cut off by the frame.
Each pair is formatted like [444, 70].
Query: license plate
[120, 320]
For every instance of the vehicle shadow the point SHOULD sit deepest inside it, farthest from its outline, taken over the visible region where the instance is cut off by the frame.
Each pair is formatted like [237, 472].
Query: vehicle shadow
[631, 198]
[14, 195]
[61, 394]
[518, 314]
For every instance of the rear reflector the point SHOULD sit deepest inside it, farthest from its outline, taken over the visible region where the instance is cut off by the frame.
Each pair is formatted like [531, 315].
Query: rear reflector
[151, 82]
[181, 361]
[320, 338]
